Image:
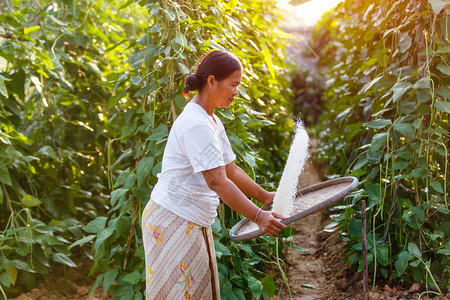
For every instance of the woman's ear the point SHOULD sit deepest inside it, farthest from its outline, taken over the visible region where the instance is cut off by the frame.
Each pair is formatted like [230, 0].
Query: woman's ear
[210, 80]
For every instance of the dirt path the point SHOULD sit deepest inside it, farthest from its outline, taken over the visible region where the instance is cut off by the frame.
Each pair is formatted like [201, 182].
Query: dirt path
[306, 271]
[321, 273]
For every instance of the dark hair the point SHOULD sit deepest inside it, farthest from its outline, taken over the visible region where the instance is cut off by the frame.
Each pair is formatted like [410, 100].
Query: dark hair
[218, 63]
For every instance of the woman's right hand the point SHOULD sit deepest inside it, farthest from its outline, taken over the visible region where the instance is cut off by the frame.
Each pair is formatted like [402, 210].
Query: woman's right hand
[268, 222]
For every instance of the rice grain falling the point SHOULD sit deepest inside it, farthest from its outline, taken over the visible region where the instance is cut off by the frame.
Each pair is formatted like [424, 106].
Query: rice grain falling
[298, 154]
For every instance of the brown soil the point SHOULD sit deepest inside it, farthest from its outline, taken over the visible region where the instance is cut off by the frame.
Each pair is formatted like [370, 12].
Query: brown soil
[322, 273]
[67, 283]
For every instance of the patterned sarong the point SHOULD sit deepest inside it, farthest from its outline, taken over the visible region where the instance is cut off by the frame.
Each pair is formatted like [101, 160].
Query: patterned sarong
[180, 260]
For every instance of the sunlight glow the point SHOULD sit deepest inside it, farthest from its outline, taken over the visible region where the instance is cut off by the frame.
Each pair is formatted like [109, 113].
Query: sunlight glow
[306, 14]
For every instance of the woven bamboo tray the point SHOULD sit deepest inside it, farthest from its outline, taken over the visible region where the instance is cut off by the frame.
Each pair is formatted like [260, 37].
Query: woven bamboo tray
[307, 201]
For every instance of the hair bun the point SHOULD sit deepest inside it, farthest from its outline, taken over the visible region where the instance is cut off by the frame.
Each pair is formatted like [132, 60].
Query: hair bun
[191, 83]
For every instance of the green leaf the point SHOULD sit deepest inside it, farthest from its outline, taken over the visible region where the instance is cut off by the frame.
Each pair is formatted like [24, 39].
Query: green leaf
[97, 282]
[291, 244]
[443, 49]
[121, 225]
[145, 90]
[253, 261]
[118, 195]
[82, 241]
[142, 193]
[3, 90]
[378, 124]
[419, 173]
[382, 254]
[436, 186]
[221, 249]
[417, 122]
[444, 69]
[28, 30]
[442, 105]
[126, 4]
[215, 45]
[183, 69]
[237, 294]
[422, 83]
[414, 250]
[62, 258]
[95, 225]
[361, 162]
[368, 85]
[30, 201]
[415, 263]
[124, 155]
[404, 128]
[423, 95]
[5, 279]
[355, 228]
[102, 236]
[250, 159]
[256, 287]
[268, 284]
[60, 23]
[407, 155]
[400, 165]
[144, 169]
[157, 169]
[161, 132]
[180, 39]
[405, 255]
[443, 91]
[373, 190]
[378, 141]
[226, 114]
[109, 277]
[268, 59]
[48, 151]
[445, 250]
[21, 265]
[400, 266]
[133, 278]
[4, 174]
[399, 89]
[332, 227]
[418, 211]
[405, 44]
[246, 247]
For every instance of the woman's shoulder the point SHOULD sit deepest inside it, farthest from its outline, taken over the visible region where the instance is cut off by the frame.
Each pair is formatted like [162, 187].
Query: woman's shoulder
[191, 117]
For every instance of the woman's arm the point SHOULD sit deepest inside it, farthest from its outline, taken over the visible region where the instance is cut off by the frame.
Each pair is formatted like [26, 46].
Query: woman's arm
[247, 185]
[218, 181]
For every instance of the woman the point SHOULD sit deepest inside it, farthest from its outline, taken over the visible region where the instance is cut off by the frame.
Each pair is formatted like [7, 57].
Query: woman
[197, 168]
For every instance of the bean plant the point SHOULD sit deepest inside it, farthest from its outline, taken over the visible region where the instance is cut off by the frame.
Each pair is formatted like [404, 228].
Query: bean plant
[386, 121]
[88, 93]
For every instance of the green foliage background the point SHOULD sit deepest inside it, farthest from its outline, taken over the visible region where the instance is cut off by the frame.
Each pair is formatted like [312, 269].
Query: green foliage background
[386, 121]
[88, 92]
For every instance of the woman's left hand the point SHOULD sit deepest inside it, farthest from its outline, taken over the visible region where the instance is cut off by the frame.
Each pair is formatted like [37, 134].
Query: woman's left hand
[269, 198]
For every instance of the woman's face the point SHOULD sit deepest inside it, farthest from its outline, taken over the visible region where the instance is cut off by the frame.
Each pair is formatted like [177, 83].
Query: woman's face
[225, 90]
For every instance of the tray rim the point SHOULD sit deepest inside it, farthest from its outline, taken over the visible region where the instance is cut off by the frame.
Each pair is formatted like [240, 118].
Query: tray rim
[324, 204]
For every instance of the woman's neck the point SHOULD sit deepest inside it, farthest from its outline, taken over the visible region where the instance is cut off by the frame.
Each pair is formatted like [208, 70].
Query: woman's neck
[202, 100]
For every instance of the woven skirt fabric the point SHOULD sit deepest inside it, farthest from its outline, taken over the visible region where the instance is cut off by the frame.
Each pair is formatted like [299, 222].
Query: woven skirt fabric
[180, 261]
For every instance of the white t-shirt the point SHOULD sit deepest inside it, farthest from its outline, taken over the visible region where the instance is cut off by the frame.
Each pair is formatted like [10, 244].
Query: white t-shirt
[196, 143]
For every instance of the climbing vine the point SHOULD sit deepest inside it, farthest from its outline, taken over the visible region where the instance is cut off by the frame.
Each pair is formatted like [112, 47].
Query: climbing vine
[386, 122]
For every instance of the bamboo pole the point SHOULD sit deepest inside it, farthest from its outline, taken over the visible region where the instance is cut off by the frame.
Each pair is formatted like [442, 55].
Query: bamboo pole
[364, 249]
